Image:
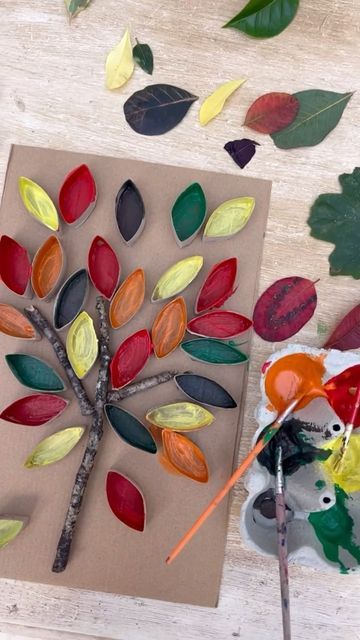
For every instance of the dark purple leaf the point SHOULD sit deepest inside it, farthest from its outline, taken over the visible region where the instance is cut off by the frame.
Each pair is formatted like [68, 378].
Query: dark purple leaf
[241, 151]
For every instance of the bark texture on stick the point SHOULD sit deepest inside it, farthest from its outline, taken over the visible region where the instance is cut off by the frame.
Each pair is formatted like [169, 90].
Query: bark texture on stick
[44, 328]
[142, 385]
[95, 435]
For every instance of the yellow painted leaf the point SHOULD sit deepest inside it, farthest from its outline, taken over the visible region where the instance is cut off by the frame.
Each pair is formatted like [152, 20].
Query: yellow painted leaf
[119, 65]
[82, 344]
[55, 447]
[229, 218]
[38, 203]
[9, 529]
[180, 416]
[214, 104]
[177, 278]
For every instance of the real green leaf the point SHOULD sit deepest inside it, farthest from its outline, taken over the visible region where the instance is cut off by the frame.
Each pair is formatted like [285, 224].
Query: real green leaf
[143, 56]
[264, 18]
[75, 6]
[319, 113]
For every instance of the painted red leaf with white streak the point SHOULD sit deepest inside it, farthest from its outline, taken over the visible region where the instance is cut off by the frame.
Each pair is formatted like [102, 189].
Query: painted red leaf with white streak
[284, 308]
[272, 112]
[347, 333]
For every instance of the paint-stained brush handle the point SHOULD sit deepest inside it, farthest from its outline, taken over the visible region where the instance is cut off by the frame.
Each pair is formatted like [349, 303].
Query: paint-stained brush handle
[281, 529]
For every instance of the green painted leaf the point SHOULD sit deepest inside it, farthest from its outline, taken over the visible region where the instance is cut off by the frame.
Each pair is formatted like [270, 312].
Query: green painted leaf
[143, 56]
[130, 429]
[34, 373]
[335, 218]
[9, 529]
[54, 448]
[213, 351]
[319, 113]
[188, 214]
[264, 18]
[75, 6]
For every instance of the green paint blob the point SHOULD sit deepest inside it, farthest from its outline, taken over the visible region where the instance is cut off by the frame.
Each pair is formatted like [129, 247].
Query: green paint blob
[34, 373]
[213, 351]
[269, 433]
[188, 213]
[320, 484]
[334, 529]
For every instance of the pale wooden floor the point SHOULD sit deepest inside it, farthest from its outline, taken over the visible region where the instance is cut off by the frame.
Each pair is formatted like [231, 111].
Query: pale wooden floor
[52, 94]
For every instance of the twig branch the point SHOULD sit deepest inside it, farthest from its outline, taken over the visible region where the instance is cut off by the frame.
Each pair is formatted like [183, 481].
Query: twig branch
[50, 334]
[95, 435]
[142, 385]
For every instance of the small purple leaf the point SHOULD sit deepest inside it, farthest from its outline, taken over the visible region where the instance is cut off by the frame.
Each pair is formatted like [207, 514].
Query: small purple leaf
[241, 151]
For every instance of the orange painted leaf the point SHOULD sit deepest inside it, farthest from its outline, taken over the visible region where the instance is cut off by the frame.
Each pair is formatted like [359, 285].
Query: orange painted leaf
[47, 268]
[104, 267]
[13, 323]
[169, 327]
[125, 500]
[128, 299]
[272, 112]
[347, 333]
[185, 456]
[130, 358]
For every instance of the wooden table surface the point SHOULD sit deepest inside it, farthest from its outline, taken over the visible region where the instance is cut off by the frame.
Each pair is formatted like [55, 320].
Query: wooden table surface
[52, 94]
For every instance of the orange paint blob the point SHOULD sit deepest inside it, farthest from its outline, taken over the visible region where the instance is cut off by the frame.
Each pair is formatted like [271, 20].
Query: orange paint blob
[14, 324]
[128, 299]
[169, 327]
[293, 376]
[47, 267]
[185, 456]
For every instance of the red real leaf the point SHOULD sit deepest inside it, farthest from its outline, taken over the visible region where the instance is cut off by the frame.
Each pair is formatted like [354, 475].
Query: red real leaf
[219, 324]
[341, 391]
[130, 358]
[347, 333]
[34, 410]
[104, 267]
[77, 195]
[15, 265]
[284, 308]
[219, 285]
[125, 500]
[272, 112]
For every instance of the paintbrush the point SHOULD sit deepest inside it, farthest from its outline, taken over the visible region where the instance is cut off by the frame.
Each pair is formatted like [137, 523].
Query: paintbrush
[281, 528]
[269, 433]
[348, 431]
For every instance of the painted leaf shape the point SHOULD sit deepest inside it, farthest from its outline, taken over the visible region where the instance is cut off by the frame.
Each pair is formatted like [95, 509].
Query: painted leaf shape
[14, 324]
[213, 351]
[241, 151]
[169, 327]
[75, 6]
[130, 212]
[77, 195]
[119, 65]
[38, 203]
[15, 265]
[157, 108]
[204, 390]
[188, 214]
[284, 308]
[130, 358]
[185, 456]
[104, 267]
[54, 447]
[219, 285]
[214, 103]
[34, 373]
[229, 218]
[319, 113]
[264, 18]
[34, 410]
[143, 56]
[180, 416]
[9, 529]
[341, 390]
[130, 429]
[175, 279]
[128, 299]
[82, 345]
[219, 324]
[71, 298]
[272, 112]
[347, 333]
[47, 268]
[335, 218]
[125, 500]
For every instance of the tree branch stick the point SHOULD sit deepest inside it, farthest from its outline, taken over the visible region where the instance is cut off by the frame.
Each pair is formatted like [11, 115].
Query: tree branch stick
[142, 385]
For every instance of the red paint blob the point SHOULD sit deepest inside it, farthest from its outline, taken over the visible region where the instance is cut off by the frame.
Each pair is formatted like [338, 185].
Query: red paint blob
[125, 501]
[15, 266]
[34, 410]
[130, 358]
[218, 286]
[219, 324]
[104, 267]
[77, 196]
[341, 393]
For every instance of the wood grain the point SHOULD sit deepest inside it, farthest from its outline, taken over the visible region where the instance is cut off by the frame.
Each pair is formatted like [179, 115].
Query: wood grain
[52, 94]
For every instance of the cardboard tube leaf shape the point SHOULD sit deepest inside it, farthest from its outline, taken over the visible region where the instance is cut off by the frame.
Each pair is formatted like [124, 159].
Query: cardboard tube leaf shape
[128, 299]
[104, 267]
[47, 268]
[82, 345]
[229, 218]
[38, 203]
[10, 529]
[34, 373]
[180, 416]
[77, 196]
[213, 351]
[15, 266]
[54, 448]
[218, 286]
[34, 410]
[175, 279]
[169, 327]
[125, 501]
[14, 324]
[130, 429]
[204, 390]
[130, 358]
[219, 324]
[188, 214]
[185, 456]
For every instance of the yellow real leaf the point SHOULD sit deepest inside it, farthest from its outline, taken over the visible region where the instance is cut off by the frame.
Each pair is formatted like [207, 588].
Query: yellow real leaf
[82, 344]
[214, 103]
[120, 63]
[54, 448]
[229, 218]
[9, 529]
[38, 203]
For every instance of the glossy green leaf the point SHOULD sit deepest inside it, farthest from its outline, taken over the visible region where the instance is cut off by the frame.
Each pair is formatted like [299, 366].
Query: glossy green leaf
[213, 351]
[54, 448]
[34, 373]
[264, 18]
[75, 6]
[9, 529]
[143, 56]
[319, 113]
[180, 416]
[335, 218]
[188, 214]
[130, 429]
[229, 218]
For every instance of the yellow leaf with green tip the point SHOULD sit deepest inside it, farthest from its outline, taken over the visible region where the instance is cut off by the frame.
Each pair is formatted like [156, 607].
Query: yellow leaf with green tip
[55, 447]
[119, 65]
[82, 344]
[229, 218]
[180, 416]
[177, 278]
[38, 203]
[214, 104]
[9, 529]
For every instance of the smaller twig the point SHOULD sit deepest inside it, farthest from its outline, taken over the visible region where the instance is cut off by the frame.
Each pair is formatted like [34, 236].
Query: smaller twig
[45, 328]
[142, 385]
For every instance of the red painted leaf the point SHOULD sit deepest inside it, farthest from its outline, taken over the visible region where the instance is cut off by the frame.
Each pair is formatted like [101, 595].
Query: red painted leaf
[15, 266]
[104, 267]
[341, 390]
[130, 358]
[34, 410]
[347, 333]
[272, 112]
[219, 324]
[284, 308]
[77, 196]
[125, 500]
[219, 285]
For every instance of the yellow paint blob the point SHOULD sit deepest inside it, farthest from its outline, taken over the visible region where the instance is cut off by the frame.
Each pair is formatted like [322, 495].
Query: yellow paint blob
[180, 416]
[214, 103]
[177, 278]
[82, 344]
[348, 475]
[54, 448]
[229, 218]
[38, 203]
[293, 376]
